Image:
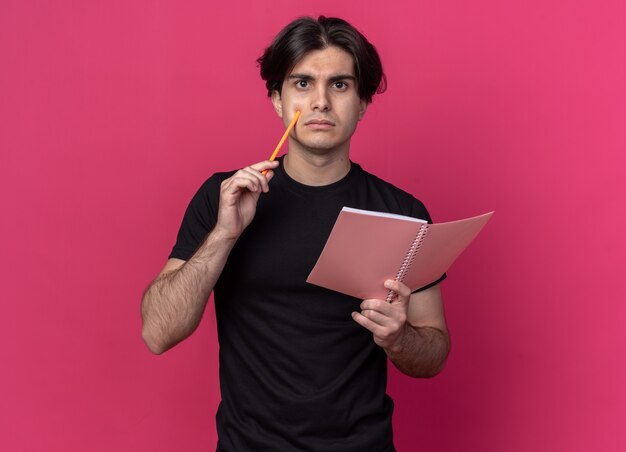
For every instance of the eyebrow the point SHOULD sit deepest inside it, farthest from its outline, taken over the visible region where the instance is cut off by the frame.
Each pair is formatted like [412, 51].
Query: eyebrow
[334, 78]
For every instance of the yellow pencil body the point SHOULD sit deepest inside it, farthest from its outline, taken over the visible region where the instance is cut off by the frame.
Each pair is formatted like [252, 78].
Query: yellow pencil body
[284, 137]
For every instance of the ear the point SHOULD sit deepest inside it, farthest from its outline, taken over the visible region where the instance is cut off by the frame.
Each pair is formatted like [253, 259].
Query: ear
[362, 108]
[278, 103]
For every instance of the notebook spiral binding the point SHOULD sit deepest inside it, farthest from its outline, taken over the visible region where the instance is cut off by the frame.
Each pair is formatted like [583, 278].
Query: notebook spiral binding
[408, 259]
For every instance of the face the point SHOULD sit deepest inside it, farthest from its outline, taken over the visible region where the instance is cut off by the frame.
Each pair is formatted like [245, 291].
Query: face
[322, 86]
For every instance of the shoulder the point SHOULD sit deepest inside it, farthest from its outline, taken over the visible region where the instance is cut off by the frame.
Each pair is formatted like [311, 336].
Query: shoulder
[382, 184]
[199, 217]
[209, 190]
[405, 203]
[215, 180]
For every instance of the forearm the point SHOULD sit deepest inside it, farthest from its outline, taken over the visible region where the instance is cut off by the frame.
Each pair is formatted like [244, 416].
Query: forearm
[173, 304]
[420, 351]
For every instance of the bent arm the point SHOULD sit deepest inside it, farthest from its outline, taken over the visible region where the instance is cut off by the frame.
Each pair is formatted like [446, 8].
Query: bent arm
[172, 306]
[423, 346]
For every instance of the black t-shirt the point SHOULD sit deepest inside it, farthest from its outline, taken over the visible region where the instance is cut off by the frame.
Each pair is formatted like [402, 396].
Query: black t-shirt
[296, 372]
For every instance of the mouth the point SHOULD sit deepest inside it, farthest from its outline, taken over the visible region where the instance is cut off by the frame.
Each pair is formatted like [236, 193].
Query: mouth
[319, 124]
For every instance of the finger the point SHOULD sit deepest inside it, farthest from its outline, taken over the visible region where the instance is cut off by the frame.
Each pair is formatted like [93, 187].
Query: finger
[376, 305]
[262, 175]
[367, 323]
[245, 179]
[400, 289]
[377, 317]
[236, 188]
[390, 315]
[240, 180]
[265, 165]
[258, 177]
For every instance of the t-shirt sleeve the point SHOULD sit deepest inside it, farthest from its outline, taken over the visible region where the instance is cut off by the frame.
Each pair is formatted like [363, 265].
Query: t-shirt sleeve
[419, 211]
[199, 219]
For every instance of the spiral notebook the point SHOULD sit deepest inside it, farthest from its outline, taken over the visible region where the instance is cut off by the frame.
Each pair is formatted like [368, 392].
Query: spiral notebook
[365, 248]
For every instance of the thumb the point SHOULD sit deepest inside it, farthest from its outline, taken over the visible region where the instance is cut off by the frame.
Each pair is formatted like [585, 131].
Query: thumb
[402, 291]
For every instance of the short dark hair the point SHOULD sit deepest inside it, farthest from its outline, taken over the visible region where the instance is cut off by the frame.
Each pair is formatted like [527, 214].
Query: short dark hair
[306, 34]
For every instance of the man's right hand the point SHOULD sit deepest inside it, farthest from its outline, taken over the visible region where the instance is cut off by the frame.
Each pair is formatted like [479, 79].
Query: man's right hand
[238, 198]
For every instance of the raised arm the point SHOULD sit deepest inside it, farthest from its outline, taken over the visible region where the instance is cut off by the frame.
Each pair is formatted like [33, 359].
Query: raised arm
[411, 329]
[173, 304]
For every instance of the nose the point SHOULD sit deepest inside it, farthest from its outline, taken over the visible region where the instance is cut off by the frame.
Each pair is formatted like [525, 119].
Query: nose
[321, 100]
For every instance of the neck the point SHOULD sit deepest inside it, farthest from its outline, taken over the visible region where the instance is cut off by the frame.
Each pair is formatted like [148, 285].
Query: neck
[316, 170]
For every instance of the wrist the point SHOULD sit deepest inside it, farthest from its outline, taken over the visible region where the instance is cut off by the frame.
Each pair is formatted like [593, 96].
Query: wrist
[218, 242]
[398, 346]
[224, 235]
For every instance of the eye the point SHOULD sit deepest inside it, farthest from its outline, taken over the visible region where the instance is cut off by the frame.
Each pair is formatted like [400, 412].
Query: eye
[340, 85]
[302, 84]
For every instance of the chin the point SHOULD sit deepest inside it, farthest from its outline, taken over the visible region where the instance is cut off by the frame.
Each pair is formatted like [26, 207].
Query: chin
[321, 150]
[321, 146]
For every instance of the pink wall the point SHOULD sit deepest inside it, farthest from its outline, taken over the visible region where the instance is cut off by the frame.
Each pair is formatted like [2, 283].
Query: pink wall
[112, 114]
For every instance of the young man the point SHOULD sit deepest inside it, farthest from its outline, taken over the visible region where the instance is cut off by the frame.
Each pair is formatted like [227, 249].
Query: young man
[301, 367]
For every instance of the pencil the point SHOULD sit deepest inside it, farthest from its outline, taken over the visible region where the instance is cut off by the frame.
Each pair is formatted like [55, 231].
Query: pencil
[284, 137]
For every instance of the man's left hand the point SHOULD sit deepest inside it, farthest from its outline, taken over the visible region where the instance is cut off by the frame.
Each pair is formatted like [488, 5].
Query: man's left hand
[387, 321]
